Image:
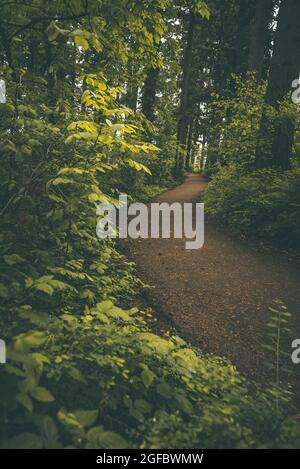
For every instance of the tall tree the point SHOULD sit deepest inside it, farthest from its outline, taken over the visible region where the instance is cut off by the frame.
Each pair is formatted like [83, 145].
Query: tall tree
[189, 145]
[276, 137]
[259, 34]
[183, 118]
[149, 93]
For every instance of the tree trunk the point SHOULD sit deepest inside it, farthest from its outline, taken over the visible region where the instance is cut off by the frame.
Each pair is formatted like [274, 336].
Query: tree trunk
[149, 93]
[189, 145]
[132, 95]
[183, 118]
[238, 62]
[132, 87]
[275, 141]
[50, 76]
[259, 34]
[202, 162]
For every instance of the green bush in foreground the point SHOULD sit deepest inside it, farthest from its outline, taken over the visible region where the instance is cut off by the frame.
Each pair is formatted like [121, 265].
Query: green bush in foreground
[104, 380]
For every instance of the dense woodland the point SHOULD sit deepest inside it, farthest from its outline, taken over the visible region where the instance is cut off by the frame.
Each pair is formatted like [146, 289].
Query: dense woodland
[107, 97]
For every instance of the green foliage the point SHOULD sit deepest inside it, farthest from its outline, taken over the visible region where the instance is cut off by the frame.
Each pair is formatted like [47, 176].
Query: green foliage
[278, 333]
[256, 202]
[58, 144]
[264, 203]
[82, 372]
[238, 130]
[103, 379]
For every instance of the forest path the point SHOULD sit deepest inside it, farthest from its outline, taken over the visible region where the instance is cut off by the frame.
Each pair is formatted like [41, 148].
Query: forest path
[218, 296]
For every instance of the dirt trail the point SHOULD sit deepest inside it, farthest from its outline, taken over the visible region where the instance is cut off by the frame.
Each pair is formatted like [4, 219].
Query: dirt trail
[218, 296]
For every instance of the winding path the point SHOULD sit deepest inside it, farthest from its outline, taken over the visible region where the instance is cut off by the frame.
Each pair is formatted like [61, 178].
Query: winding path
[218, 296]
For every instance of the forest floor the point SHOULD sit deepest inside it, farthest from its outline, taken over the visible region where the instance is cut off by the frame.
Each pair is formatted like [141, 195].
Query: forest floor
[218, 297]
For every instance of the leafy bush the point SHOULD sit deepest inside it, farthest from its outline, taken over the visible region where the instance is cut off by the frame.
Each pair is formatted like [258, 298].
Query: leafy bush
[102, 379]
[233, 123]
[265, 203]
[253, 201]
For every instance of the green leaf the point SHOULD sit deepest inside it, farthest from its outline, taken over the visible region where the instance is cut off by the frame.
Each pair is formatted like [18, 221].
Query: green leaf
[29, 340]
[35, 317]
[13, 259]
[142, 406]
[50, 433]
[81, 42]
[164, 390]
[77, 375]
[86, 417]
[147, 377]
[24, 441]
[53, 31]
[69, 420]
[40, 358]
[93, 197]
[41, 394]
[98, 438]
[61, 181]
[44, 287]
[25, 401]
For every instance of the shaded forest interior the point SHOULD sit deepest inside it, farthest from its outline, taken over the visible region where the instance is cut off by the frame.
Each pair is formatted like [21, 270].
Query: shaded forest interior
[101, 98]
